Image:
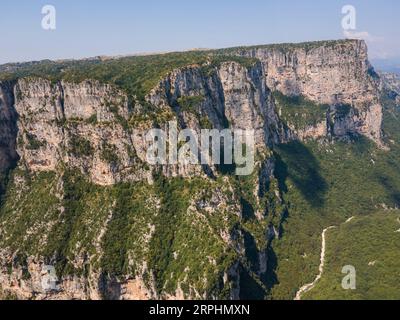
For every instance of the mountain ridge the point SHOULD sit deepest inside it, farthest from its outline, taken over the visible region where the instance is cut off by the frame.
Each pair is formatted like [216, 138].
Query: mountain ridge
[155, 53]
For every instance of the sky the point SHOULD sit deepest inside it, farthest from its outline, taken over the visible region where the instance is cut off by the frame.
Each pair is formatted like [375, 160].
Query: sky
[87, 28]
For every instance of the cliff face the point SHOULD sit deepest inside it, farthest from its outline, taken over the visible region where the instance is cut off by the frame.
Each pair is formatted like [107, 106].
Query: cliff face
[79, 124]
[230, 96]
[333, 73]
[51, 116]
[122, 232]
[85, 125]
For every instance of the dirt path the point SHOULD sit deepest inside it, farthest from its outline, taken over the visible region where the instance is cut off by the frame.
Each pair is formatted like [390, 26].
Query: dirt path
[311, 285]
[349, 220]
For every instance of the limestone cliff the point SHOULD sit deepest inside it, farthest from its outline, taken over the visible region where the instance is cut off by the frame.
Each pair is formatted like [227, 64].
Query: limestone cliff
[86, 125]
[334, 73]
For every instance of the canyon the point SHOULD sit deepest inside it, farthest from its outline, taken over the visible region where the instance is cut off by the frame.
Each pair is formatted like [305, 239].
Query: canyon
[79, 195]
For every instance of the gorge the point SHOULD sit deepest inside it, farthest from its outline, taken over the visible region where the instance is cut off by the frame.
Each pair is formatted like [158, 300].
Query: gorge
[78, 194]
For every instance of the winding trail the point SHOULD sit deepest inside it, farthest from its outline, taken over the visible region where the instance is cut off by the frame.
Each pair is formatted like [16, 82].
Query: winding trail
[349, 219]
[311, 285]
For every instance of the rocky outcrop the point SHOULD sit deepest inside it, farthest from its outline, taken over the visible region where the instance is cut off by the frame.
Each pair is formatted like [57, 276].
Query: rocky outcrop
[332, 72]
[79, 124]
[35, 281]
[228, 96]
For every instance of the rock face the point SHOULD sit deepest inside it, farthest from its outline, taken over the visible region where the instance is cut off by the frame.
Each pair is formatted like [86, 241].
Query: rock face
[75, 124]
[333, 73]
[231, 96]
[97, 130]
[84, 124]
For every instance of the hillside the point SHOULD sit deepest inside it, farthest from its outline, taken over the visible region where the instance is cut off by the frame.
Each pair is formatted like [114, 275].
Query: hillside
[370, 244]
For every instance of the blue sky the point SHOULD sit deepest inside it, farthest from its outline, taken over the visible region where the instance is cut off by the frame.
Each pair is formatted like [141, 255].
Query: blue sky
[88, 28]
